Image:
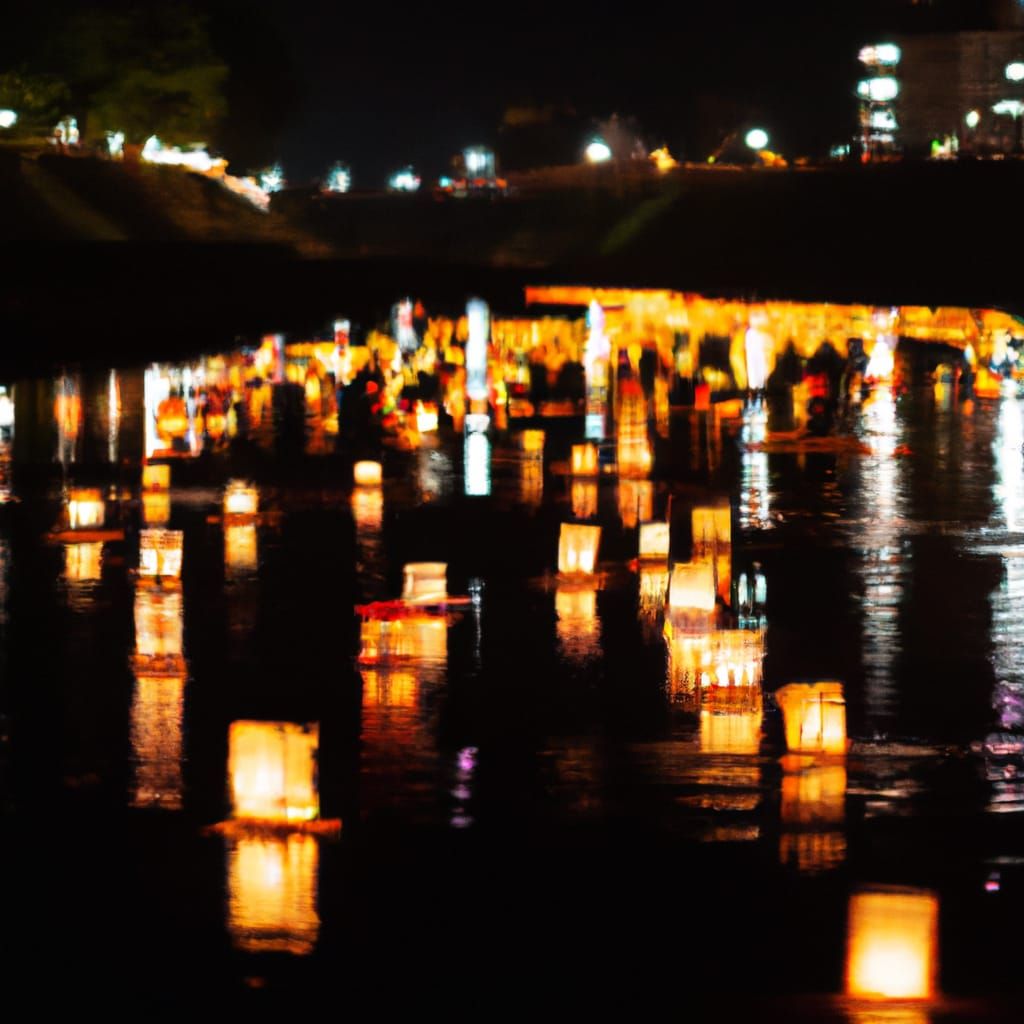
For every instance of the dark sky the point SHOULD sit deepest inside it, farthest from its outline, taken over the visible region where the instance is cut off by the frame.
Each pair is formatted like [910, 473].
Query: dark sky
[380, 84]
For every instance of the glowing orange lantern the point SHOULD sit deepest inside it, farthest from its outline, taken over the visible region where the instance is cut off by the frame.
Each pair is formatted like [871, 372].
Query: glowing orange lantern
[367, 474]
[892, 944]
[654, 541]
[577, 548]
[636, 502]
[532, 442]
[692, 588]
[420, 638]
[82, 562]
[367, 508]
[158, 626]
[425, 582]
[712, 526]
[160, 553]
[156, 507]
[241, 500]
[172, 418]
[584, 460]
[584, 499]
[814, 716]
[273, 771]
[272, 893]
[240, 548]
[731, 730]
[86, 508]
[531, 482]
[156, 476]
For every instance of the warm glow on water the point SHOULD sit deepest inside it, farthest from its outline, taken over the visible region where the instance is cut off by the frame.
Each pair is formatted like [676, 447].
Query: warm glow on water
[272, 767]
[157, 714]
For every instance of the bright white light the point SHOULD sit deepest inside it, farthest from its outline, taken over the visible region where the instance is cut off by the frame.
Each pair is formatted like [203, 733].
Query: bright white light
[339, 179]
[8, 118]
[477, 160]
[878, 90]
[884, 120]
[1015, 71]
[598, 151]
[405, 180]
[478, 316]
[115, 144]
[1012, 107]
[155, 152]
[886, 54]
[972, 118]
[272, 179]
[757, 138]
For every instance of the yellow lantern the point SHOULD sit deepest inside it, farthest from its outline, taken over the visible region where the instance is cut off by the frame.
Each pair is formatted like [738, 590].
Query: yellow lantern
[712, 526]
[272, 893]
[156, 717]
[892, 944]
[584, 459]
[532, 442]
[83, 562]
[636, 502]
[86, 508]
[215, 423]
[240, 548]
[425, 582]
[814, 716]
[156, 476]
[241, 500]
[156, 507]
[273, 771]
[584, 499]
[367, 474]
[421, 638]
[692, 588]
[577, 549]
[172, 418]
[160, 553]
[654, 541]
[731, 730]
[653, 586]
[158, 627]
[367, 508]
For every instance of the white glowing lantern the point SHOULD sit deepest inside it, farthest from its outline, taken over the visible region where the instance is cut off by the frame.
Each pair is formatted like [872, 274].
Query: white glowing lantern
[339, 179]
[815, 717]
[86, 508]
[405, 180]
[83, 562]
[577, 548]
[241, 500]
[757, 138]
[273, 771]
[892, 944]
[478, 317]
[654, 541]
[160, 553]
[272, 893]
[878, 90]
[584, 460]
[156, 476]
[973, 118]
[598, 152]
[425, 582]
[8, 118]
[692, 588]
[367, 474]
[1015, 71]
[426, 417]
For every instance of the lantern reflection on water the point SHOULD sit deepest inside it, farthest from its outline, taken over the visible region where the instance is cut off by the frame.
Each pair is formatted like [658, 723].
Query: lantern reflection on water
[156, 507]
[158, 627]
[892, 944]
[654, 541]
[272, 893]
[715, 662]
[730, 722]
[240, 548]
[653, 585]
[86, 508]
[367, 474]
[636, 502]
[577, 627]
[815, 717]
[425, 582]
[692, 588]
[160, 553]
[584, 460]
[83, 562]
[418, 637]
[813, 803]
[577, 549]
[273, 771]
[367, 508]
[156, 719]
[584, 499]
[156, 476]
[532, 443]
[241, 500]
[390, 688]
[531, 482]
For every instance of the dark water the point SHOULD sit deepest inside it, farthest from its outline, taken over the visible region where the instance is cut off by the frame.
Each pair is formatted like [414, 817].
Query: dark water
[536, 820]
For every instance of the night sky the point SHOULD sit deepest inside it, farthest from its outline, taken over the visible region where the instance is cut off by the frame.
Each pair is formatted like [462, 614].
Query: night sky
[379, 85]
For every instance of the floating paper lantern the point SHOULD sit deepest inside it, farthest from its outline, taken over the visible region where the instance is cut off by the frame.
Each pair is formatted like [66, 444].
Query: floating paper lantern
[156, 476]
[425, 582]
[636, 502]
[654, 541]
[653, 587]
[692, 588]
[892, 944]
[273, 771]
[155, 729]
[160, 553]
[426, 417]
[711, 526]
[584, 460]
[240, 548]
[367, 474]
[584, 499]
[421, 638]
[83, 562]
[172, 418]
[577, 548]
[241, 500]
[815, 717]
[156, 507]
[86, 508]
[532, 442]
[272, 893]
[158, 627]
[731, 731]
[367, 509]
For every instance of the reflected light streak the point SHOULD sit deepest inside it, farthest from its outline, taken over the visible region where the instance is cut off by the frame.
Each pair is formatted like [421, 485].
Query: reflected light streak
[755, 481]
[477, 465]
[578, 627]
[156, 739]
[83, 562]
[241, 552]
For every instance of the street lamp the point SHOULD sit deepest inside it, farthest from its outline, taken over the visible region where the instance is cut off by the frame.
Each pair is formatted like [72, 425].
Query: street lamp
[757, 138]
[598, 152]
